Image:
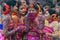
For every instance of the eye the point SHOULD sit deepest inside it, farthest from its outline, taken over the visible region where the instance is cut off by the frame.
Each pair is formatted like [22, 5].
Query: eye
[32, 10]
[22, 8]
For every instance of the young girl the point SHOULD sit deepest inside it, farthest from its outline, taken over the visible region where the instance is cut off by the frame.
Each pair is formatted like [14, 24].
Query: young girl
[55, 26]
[31, 24]
[18, 21]
[5, 17]
[48, 30]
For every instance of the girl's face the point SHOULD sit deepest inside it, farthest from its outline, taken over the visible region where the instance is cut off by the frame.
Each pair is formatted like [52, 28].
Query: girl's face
[15, 8]
[32, 10]
[21, 10]
[32, 13]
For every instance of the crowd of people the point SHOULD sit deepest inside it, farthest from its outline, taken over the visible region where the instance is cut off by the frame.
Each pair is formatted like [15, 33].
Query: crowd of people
[22, 21]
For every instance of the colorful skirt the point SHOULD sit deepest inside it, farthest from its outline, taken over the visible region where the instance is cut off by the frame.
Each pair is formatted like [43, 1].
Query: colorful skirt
[30, 37]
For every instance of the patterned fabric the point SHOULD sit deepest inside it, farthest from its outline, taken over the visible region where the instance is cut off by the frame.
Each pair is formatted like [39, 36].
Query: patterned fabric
[5, 21]
[33, 35]
[18, 31]
[32, 27]
[33, 38]
[41, 21]
[18, 35]
[47, 37]
[48, 29]
[55, 26]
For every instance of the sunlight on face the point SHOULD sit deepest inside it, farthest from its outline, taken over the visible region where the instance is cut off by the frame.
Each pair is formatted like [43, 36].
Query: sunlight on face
[15, 8]
[21, 10]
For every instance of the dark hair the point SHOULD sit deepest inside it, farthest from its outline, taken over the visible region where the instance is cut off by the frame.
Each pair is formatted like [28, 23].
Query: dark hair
[34, 6]
[11, 3]
[19, 4]
[38, 4]
[52, 11]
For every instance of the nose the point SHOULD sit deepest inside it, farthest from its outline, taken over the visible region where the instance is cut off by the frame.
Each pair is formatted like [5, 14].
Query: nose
[31, 11]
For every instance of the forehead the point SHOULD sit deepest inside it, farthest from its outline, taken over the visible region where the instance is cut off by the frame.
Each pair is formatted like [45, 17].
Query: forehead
[21, 7]
[31, 9]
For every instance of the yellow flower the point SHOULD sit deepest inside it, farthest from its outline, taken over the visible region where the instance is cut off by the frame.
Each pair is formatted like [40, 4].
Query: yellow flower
[46, 22]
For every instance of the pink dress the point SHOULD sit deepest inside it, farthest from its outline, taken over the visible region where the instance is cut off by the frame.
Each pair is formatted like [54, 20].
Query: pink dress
[33, 34]
[47, 29]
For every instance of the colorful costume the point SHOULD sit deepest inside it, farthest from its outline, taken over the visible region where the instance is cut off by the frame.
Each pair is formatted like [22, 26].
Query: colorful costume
[5, 18]
[17, 19]
[46, 30]
[41, 25]
[32, 27]
[55, 26]
[41, 21]
[17, 31]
